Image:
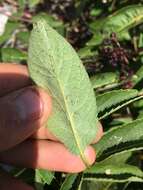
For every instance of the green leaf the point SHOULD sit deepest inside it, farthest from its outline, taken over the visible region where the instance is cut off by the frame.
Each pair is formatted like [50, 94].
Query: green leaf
[23, 37]
[121, 139]
[117, 159]
[138, 76]
[68, 182]
[119, 22]
[113, 98]
[97, 185]
[96, 11]
[114, 109]
[116, 173]
[10, 28]
[95, 40]
[12, 55]
[52, 21]
[33, 3]
[102, 79]
[44, 176]
[86, 52]
[21, 4]
[54, 65]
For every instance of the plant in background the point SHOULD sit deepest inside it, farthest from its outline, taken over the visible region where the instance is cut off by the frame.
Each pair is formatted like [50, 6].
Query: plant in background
[109, 41]
[54, 65]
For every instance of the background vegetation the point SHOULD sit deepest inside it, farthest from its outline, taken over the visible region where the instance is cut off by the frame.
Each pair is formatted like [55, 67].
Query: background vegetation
[108, 36]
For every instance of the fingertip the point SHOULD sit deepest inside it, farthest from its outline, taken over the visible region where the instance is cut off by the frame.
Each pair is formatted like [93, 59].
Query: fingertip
[99, 133]
[79, 164]
[90, 154]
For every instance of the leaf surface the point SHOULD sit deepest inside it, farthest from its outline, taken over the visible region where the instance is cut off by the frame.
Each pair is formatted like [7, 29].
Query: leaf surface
[121, 139]
[114, 97]
[119, 22]
[117, 173]
[119, 106]
[55, 66]
[12, 55]
[68, 182]
[102, 79]
[44, 176]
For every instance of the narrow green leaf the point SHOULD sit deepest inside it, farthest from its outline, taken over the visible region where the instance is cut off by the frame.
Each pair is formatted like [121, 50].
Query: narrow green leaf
[102, 79]
[12, 55]
[95, 40]
[23, 37]
[119, 22]
[54, 65]
[112, 110]
[120, 139]
[10, 28]
[44, 176]
[117, 159]
[114, 180]
[68, 182]
[117, 173]
[97, 185]
[113, 98]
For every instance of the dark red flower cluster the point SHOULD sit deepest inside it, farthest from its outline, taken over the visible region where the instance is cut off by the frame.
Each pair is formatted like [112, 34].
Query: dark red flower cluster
[113, 55]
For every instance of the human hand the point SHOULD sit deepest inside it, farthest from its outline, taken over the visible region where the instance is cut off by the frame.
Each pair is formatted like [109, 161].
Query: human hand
[24, 141]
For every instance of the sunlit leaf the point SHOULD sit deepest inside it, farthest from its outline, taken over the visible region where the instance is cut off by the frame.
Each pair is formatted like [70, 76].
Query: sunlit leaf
[54, 65]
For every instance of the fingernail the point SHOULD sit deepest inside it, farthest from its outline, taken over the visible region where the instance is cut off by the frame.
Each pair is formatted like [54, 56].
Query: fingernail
[28, 104]
[90, 155]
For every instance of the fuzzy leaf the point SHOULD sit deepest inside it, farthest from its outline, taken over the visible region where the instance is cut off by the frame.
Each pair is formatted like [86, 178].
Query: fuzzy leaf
[55, 66]
[121, 139]
[52, 21]
[109, 99]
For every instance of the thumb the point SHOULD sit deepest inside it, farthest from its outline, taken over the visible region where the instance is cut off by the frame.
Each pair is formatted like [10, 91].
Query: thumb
[21, 114]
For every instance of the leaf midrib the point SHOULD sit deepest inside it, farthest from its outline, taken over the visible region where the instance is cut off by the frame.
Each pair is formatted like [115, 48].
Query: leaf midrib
[76, 137]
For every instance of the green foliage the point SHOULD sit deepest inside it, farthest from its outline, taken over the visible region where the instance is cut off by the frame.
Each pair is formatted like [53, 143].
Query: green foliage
[114, 173]
[52, 21]
[23, 37]
[103, 79]
[68, 182]
[119, 22]
[13, 55]
[43, 176]
[124, 138]
[76, 98]
[55, 66]
[10, 28]
[113, 98]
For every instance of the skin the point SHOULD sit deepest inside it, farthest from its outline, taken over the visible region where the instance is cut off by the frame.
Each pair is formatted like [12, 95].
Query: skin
[24, 141]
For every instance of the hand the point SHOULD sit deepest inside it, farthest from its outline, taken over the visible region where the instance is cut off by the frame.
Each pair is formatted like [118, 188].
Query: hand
[24, 110]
